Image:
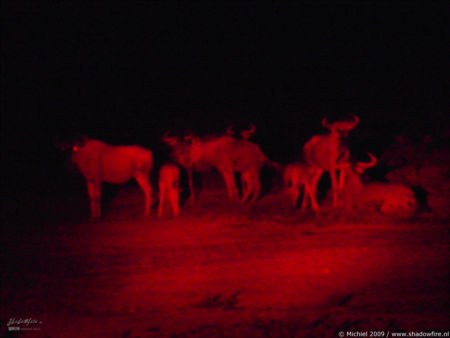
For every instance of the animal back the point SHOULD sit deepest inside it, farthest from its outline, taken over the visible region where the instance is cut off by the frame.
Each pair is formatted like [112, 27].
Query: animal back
[121, 163]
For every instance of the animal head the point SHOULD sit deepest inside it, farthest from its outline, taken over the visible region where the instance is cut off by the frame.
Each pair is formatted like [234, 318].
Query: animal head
[341, 127]
[186, 151]
[74, 144]
[245, 134]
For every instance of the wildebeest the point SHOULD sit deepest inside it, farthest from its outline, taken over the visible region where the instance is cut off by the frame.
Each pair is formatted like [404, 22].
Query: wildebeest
[181, 153]
[225, 153]
[324, 152]
[100, 162]
[298, 176]
[169, 188]
[394, 200]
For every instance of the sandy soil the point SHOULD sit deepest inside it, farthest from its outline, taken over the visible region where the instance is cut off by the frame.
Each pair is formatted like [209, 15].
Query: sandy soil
[221, 270]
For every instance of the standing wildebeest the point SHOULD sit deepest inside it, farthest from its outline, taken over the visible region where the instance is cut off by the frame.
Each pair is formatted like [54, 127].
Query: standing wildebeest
[296, 176]
[391, 199]
[169, 188]
[225, 153]
[324, 152]
[100, 162]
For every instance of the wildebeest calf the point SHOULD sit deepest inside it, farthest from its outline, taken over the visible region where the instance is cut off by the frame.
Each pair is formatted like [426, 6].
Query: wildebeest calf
[298, 176]
[169, 188]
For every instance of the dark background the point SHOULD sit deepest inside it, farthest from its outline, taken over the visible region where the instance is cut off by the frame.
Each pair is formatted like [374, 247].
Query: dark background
[127, 72]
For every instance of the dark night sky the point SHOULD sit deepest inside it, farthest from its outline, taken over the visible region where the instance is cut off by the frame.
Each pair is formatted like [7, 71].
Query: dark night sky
[127, 71]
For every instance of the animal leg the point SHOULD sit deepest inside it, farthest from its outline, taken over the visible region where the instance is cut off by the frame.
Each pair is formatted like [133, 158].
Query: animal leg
[161, 200]
[246, 186]
[143, 182]
[256, 187]
[191, 186]
[94, 191]
[342, 173]
[230, 183]
[174, 199]
[306, 195]
[313, 189]
[295, 193]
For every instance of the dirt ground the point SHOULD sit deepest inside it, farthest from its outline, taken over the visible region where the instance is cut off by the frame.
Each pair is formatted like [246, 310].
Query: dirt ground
[220, 270]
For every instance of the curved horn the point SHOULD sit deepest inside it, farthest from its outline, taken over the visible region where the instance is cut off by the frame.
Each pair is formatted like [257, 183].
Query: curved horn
[246, 134]
[230, 130]
[355, 121]
[170, 140]
[325, 123]
[373, 159]
[361, 166]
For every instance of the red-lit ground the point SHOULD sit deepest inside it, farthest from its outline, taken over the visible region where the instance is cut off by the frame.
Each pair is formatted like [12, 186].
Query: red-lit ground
[224, 270]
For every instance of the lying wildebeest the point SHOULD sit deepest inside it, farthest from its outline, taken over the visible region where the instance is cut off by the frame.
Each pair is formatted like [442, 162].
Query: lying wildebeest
[324, 152]
[169, 188]
[100, 162]
[394, 200]
[225, 153]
